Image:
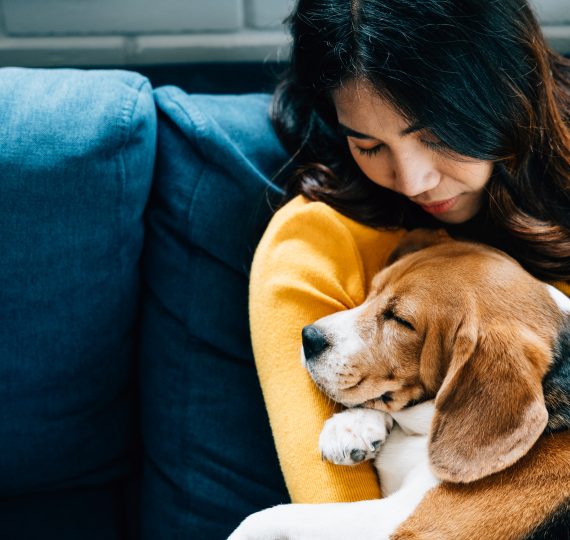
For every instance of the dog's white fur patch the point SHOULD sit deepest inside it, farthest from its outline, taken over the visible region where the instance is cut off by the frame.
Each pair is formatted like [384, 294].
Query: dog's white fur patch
[560, 298]
[345, 342]
[405, 476]
[342, 326]
[406, 448]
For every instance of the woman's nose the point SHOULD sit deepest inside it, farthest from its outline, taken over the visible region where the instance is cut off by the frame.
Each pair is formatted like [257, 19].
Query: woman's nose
[414, 174]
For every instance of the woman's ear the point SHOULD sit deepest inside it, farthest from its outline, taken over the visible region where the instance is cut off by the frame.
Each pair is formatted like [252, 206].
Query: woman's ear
[490, 408]
[416, 240]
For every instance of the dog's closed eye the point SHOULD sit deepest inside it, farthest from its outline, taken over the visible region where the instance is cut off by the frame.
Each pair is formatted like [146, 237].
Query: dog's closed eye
[390, 315]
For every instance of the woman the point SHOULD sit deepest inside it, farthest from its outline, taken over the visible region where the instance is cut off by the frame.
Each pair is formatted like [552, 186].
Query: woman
[402, 114]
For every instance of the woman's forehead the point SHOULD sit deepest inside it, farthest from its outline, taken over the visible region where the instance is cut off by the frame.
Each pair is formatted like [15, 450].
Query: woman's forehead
[361, 109]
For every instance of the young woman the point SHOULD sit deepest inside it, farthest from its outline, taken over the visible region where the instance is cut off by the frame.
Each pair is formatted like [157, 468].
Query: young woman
[401, 114]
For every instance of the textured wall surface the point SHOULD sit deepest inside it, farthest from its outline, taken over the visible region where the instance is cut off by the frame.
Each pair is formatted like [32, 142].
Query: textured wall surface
[145, 32]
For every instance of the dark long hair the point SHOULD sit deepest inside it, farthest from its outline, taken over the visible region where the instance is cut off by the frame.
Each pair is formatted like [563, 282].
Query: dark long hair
[477, 74]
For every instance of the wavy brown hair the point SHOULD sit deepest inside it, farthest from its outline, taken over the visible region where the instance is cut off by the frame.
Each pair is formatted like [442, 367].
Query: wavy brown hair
[478, 74]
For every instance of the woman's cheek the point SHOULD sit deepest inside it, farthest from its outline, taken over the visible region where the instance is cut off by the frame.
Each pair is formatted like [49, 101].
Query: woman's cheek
[374, 168]
[474, 175]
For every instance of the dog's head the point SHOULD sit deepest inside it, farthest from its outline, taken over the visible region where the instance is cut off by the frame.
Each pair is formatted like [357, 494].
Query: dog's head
[457, 321]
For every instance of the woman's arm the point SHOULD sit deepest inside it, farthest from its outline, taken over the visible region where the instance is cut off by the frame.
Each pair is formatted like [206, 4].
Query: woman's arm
[311, 262]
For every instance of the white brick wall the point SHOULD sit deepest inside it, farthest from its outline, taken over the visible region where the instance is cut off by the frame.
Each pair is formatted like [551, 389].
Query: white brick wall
[267, 13]
[139, 32]
[554, 12]
[131, 17]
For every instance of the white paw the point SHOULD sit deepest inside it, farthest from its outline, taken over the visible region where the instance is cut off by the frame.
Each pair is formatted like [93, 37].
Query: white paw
[354, 435]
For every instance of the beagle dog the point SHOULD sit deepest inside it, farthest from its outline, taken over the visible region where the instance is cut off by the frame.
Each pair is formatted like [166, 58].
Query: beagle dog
[456, 377]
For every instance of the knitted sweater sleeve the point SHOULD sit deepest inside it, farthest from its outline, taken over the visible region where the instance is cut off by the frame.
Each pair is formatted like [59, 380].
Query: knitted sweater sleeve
[308, 264]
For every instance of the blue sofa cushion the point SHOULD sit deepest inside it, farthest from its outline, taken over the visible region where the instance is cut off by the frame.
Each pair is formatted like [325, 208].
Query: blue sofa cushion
[75, 167]
[209, 454]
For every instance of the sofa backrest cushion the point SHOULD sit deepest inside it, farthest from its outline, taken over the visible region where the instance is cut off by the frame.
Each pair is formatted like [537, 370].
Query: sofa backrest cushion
[75, 171]
[209, 454]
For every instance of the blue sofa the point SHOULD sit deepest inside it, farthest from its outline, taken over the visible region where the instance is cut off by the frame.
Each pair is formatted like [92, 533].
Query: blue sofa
[129, 402]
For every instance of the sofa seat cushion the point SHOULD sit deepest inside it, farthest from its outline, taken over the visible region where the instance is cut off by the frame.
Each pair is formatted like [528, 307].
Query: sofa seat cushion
[75, 171]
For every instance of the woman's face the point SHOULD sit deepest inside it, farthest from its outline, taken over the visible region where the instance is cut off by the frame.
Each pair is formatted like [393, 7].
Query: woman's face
[396, 156]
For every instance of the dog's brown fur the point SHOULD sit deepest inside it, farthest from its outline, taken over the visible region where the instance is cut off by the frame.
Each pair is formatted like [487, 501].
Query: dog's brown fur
[517, 484]
[450, 339]
[508, 505]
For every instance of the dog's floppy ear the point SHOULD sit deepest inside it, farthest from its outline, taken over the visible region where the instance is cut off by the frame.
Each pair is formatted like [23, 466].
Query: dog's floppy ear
[490, 408]
[416, 240]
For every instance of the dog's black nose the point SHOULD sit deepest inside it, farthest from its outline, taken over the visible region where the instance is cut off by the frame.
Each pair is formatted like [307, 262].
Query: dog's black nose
[314, 342]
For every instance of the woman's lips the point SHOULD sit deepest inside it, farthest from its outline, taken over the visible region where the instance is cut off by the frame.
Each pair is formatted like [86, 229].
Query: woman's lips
[439, 207]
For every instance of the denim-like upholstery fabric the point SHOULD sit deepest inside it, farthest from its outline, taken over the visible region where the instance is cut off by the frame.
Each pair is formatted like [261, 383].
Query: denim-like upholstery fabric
[209, 454]
[76, 166]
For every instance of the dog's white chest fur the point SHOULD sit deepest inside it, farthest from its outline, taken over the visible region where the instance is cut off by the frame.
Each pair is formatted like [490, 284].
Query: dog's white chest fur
[400, 454]
[406, 447]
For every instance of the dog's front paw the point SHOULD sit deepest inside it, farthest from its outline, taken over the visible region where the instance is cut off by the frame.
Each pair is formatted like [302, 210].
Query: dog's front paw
[354, 435]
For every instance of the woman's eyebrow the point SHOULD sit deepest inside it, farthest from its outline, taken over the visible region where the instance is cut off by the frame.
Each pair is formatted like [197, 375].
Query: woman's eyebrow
[412, 129]
[348, 132]
[345, 130]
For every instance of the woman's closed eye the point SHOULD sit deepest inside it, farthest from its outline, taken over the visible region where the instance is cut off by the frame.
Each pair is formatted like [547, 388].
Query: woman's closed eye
[433, 145]
[430, 142]
[370, 151]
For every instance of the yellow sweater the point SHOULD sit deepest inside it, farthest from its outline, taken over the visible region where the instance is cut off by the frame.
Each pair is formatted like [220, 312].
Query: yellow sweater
[311, 262]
